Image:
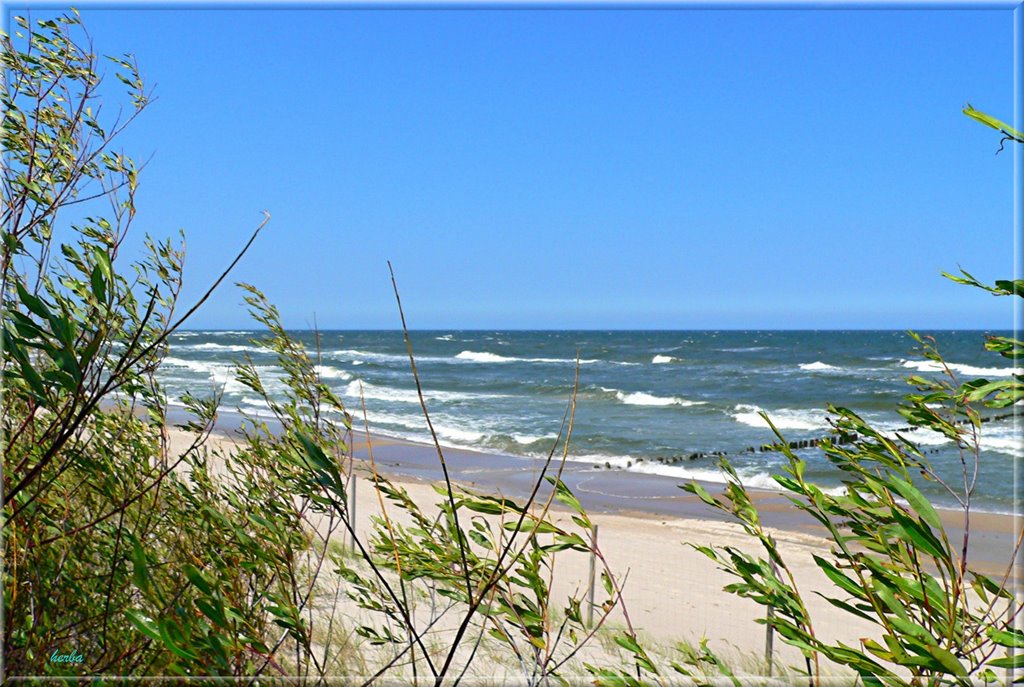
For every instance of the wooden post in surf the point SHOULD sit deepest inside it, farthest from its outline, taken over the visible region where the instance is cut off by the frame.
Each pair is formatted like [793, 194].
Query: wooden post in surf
[590, 582]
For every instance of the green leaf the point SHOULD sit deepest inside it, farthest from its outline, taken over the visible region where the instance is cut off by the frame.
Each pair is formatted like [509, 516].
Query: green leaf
[628, 643]
[1015, 661]
[35, 305]
[947, 660]
[701, 493]
[99, 285]
[992, 122]
[606, 582]
[563, 494]
[143, 624]
[167, 631]
[196, 577]
[852, 587]
[918, 501]
[140, 569]
[1011, 637]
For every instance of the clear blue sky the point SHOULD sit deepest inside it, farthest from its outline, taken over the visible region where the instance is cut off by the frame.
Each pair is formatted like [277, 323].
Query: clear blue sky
[580, 169]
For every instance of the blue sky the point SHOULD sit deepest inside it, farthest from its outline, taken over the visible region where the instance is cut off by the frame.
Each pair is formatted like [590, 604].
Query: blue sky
[570, 168]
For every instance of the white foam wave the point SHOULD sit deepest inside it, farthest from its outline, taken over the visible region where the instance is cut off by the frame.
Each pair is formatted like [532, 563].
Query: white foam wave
[326, 372]
[1002, 438]
[639, 398]
[1012, 446]
[662, 359]
[817, 365]
[971, 370]
[221, 374]
[485, 357]
[387, 393]
[783, 418]
[363, 356]
[449, 431]
[750, 476]
[458, 434]
[923, 437]
[227, 348]
[413, 421]
[446, 337]
[255, 402]
[526, 439]
[999, 439]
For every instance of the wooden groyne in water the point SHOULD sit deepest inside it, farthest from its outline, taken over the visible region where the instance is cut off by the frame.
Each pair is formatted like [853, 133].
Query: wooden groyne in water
[838, 438]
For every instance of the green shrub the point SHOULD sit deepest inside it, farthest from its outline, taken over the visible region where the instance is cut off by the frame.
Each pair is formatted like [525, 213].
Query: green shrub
[140, 560]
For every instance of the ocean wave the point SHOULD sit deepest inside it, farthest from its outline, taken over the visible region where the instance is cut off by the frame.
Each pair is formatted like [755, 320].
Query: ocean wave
[255, 402]
[748, 349]
[326, 372]
[412, 421]
[358, 357]
[527, 439]
[205, 367]
[387, 393]
[921, 437]
[1002, 438]
[817, 365]
[756, 479]
[228, 348]
[448, 430]
[446, 337]
[752, 477]
[485, 357]
[639, 398]
[221, 374]
[1010, 445]
[363, 356]
[662, 359]
[932, 366]
[783, 418]
[458, 434]
[488, 436]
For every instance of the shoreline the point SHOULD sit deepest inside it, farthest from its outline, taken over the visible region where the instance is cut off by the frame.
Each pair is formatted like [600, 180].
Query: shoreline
[653, 498]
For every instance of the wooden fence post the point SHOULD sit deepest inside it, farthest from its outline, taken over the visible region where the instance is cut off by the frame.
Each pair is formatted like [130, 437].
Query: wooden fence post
[590, 582]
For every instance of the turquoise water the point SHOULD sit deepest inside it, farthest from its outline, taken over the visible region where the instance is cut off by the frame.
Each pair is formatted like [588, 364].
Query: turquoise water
[643, 396]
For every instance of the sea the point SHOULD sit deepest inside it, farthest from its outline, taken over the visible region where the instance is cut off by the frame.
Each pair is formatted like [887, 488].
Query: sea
[657, 402]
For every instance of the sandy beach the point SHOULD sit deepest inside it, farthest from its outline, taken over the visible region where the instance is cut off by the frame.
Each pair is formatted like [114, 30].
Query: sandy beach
[646, 528]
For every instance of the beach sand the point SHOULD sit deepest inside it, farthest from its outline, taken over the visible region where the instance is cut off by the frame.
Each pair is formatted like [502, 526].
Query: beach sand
[646, 528]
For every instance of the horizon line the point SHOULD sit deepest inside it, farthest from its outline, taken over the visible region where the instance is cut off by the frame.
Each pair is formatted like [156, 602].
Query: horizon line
[606, 329]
